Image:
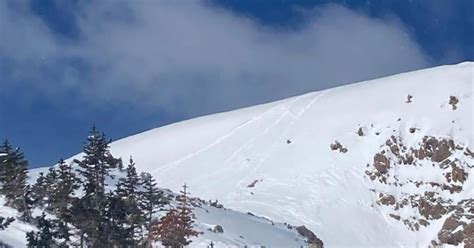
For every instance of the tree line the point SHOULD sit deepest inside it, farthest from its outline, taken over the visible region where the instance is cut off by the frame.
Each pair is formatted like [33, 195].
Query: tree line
[81, 209]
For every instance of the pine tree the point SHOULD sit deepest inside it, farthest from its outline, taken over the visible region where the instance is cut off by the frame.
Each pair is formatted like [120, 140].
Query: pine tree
[40, 189]
[95, 168]
[66, 184]
[116, 212]
[128, 192]
[13, 175]
[151, 198]
[96, 164]
[26, 203]
[51, 183]
[5, 222]
[44, 237]
[174, 229]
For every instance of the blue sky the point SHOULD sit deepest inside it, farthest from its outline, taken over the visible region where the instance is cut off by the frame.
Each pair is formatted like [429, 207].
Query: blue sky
[129, 66]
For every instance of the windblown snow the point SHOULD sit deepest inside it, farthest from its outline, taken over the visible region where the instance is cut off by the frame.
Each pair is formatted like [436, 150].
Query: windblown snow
[281, 160]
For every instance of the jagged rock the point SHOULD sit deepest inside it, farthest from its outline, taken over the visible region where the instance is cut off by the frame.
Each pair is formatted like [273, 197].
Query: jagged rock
[311, 238]
[429, 210]
[447, 234]
[469, 235]
[397, 217]
[215, 204]
[441, 152]
[381, 163]
[468, 152]
[451, 188]
[453, 101]
[409, 97]
[335, 146]
[423, 222]
[218, 229]
[437, 150]
[388, 200]
[360, 132]
[458, 174]
[338, 146]
[395, 149]
[252, 184]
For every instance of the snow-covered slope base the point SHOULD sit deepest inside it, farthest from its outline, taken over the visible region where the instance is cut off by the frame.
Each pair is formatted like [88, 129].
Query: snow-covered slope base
[236, 229]
[276, 160]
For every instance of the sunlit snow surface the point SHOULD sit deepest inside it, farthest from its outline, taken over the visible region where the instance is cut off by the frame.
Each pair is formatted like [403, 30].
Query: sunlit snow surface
[285, 146]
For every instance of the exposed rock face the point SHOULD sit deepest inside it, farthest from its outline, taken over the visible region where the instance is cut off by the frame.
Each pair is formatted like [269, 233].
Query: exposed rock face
[311, 238]
[387, 200]
[360, 132]
[453, 101]
[252, 184]
[436, 149]
[431, 210]
[458, 174]
[381, 163]
[338, 146]
[448, 165]
[218, 229]
[459, 226]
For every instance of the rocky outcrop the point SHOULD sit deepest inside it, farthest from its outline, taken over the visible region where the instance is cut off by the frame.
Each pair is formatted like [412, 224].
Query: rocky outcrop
[427, 199]
[459, 226]
[431, 209]
[453, 101]
[338, 146]
[435, 149]
[252, 184]
[218, 229]
[381, 163]
[311, 238]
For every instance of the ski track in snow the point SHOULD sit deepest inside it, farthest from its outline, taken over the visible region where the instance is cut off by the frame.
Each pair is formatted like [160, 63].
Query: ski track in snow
[219, 140]
[241, 183]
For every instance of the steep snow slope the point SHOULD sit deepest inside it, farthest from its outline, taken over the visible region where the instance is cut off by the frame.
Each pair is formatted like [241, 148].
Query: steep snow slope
[282, 149]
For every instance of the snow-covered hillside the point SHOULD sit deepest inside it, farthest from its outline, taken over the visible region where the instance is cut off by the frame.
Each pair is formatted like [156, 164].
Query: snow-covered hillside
[275, 159]
[236, 229]
[383, 163]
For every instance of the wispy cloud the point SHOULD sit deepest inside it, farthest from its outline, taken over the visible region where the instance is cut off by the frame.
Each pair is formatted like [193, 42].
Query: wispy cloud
[192, 58]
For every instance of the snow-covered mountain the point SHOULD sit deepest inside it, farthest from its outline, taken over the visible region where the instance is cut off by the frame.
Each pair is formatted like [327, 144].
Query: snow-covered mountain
[281, 160]
[382, 163]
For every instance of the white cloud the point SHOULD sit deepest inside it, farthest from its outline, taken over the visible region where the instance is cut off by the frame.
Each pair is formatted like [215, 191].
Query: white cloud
[191, 58]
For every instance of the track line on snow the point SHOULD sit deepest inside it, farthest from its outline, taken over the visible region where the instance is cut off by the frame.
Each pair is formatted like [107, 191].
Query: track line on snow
[272, 146]
[232, 132]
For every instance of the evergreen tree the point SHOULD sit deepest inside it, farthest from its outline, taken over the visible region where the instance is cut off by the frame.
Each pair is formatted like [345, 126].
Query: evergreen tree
[66, 184]
[51, 183]
[40, 189]
[151, 198]
[95, 168]
[13, 175]
[44, 237]
[128, 192]
[174, 229]
[26, 203]
[5, 222]
[116, 211]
